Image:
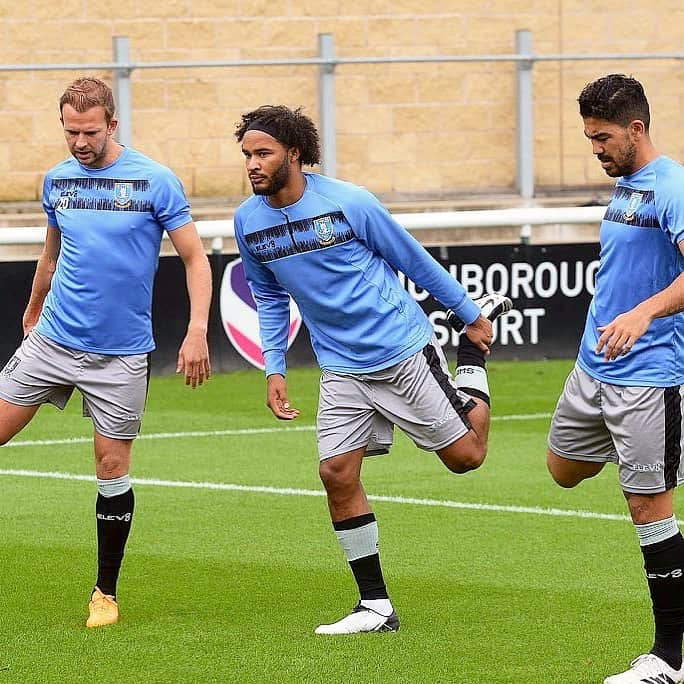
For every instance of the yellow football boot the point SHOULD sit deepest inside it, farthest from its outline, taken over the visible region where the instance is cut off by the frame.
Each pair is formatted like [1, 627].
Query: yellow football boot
[104, 610]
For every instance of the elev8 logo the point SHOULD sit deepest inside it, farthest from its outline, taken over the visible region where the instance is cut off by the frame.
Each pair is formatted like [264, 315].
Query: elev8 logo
[239, 315]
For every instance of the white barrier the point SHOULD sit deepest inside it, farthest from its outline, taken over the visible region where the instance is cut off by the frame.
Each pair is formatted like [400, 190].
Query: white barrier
[532, 216]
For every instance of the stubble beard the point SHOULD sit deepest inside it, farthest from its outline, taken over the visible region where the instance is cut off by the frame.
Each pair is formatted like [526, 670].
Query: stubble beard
[626, 165]
[279, 180]
[98, 157]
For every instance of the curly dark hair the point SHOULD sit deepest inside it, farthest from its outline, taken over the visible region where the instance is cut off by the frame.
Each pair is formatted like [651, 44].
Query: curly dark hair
[290, 127]
[616, 98]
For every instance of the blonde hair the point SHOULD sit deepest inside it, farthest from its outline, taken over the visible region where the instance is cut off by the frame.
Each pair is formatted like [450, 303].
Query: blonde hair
[85, 93]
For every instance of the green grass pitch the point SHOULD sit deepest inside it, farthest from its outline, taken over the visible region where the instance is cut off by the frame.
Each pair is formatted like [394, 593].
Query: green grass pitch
[226, 584]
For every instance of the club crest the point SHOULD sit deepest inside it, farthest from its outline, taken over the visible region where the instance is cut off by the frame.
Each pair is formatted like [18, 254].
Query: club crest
[123, 193]
[632, 206]
[11, 365]
[323, 227]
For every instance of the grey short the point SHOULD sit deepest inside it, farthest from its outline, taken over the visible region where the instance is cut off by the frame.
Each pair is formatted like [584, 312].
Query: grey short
[418, 395]
[114, 388]
[639, 428]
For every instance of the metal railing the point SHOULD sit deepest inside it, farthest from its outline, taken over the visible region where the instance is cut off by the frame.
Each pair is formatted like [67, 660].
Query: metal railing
[526, 216]
[524, 58]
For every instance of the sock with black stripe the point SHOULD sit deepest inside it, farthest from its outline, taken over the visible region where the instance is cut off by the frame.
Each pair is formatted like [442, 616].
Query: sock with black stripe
[662, 546]
[358, 537]
[471, 372]
[114, 514]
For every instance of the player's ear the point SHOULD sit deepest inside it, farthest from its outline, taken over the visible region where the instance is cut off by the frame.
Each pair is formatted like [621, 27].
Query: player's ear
[294, 154]
[637, 128]
[111, 127]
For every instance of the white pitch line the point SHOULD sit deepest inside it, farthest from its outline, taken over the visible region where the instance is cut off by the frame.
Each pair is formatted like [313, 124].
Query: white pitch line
[289, 491]
[222, 433]
[167, 435]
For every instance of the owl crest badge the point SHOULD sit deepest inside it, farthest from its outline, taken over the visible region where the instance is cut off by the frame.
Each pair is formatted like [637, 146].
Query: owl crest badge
[122, 194]
[632, 206]
[323, 227]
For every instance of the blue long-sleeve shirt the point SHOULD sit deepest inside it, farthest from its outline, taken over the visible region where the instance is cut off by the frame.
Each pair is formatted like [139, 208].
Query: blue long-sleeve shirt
[334, 251]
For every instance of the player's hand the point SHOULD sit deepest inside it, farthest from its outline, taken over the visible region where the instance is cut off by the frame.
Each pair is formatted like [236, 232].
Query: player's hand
[620, 335]
[276, 398]
[480, 333]
[193, 358]
[28, 323]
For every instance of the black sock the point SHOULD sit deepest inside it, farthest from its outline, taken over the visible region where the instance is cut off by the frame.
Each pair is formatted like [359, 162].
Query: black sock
[368, 576]
[468, 354]
[664, 564]
[114, 515]
[356, 534]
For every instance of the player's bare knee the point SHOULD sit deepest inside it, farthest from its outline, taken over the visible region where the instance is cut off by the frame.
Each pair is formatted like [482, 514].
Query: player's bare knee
[474, 459]
[335, 478]
[463, 466]
[109, 467]
[564, 481]
[639, 510]
[561, 474]
[568, 473]
[464, 460]
[647, 508]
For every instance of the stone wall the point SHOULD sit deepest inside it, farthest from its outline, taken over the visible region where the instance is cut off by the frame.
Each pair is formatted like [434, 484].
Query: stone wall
[422, 129]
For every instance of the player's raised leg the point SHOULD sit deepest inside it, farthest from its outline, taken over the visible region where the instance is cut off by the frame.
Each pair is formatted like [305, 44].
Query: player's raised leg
[13, 419]
[579, 442]
[357, 532]
[29, 379]
[469, 451]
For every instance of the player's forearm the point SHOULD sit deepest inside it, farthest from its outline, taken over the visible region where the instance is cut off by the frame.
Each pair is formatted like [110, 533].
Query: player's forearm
[42, 280]
[667, 302]
[198, 278]
[273, 309]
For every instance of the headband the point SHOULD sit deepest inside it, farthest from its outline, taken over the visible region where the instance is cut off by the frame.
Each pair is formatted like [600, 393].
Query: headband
[264, 128]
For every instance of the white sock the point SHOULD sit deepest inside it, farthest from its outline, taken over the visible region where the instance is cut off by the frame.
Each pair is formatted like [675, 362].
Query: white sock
[382, 606]
[472, 377]
[655, 532]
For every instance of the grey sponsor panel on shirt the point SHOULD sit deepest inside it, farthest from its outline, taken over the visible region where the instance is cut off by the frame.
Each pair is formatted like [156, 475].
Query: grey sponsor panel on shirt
[417, 395]
[114, 388]
[638, 428]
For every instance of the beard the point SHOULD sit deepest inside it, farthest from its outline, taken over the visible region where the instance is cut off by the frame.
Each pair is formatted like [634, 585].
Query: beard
[624, 164]
[279, 180]
[91, 158]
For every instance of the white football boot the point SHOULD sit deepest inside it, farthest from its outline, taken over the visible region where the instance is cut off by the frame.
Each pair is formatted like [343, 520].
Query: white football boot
[362, 619]
[491, 306]
[648, 669]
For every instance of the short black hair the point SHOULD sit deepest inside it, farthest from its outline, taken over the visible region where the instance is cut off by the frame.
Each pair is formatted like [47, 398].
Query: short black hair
[290, 127]
[616, 98]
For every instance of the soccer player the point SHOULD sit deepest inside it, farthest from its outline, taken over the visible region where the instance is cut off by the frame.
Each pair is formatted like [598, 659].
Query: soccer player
[88, 320]
[622, 403]
[335, 249]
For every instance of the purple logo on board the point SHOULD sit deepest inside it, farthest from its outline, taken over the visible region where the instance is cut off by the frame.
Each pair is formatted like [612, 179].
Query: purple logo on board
[239, 315]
